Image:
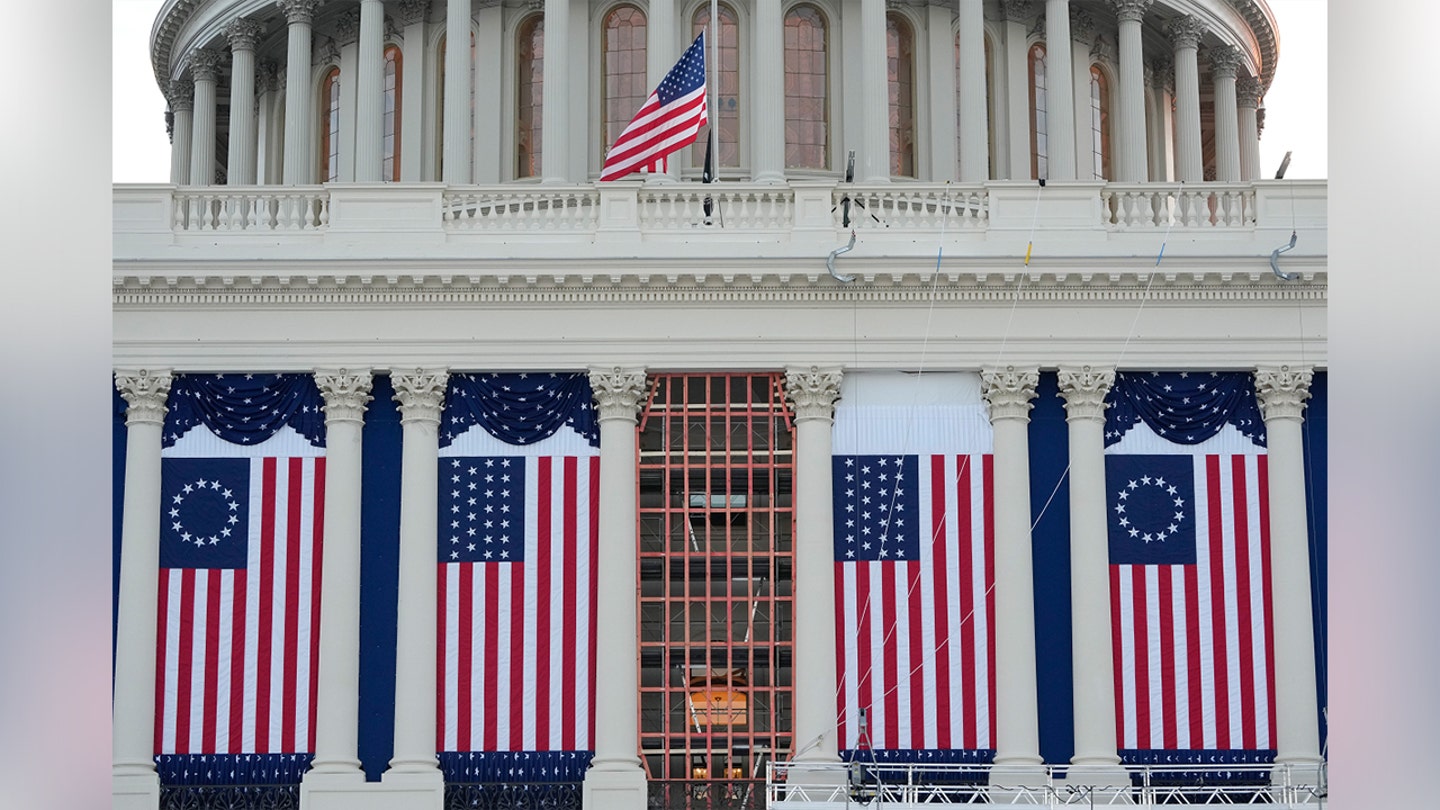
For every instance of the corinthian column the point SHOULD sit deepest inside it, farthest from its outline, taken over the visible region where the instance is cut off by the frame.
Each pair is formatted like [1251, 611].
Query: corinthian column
[204, 68]
[974, 113]
[813, 392]
[555, 106]
[182, 103]
[1009, 392]
[616, 780]
[369, 92]
[874, 166]
[455, 135]
[1282, 391]
[1017, 98]
[1096, 761]
[1185, 33]
[134, 783]
[298, 111]
[1132, 151]
[768, 144]
[412, 98]
[421, 395]
[1247, 99]
[1224, 61]
[240, 161]
[1059, 96]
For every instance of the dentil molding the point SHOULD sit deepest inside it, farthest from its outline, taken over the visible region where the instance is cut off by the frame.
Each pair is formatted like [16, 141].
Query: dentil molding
[1282, 390]
[145, 392]
[617, 392]
[814, 391]
[346, 394]
[1084, 389]
[421, 394]
[1009, 391]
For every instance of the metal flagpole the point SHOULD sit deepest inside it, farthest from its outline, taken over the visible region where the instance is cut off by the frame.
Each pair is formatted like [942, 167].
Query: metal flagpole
[714, 81]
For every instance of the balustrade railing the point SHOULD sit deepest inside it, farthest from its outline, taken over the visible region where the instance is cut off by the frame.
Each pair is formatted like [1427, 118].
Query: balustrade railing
[254, 208]
[537, 208]
[912, 207]
[681, 206]
[1176, 205]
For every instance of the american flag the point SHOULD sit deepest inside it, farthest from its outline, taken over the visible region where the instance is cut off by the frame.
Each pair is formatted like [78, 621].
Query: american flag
[669, 120]
[239, 602]
[517, 546]
[1190, 594]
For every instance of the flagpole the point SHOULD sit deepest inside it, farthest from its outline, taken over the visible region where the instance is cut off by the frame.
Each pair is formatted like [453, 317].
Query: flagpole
[714, 81]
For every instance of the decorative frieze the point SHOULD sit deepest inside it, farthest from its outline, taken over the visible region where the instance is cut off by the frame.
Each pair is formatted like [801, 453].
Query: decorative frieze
[617, 391]
[813, 391]
[1185, 32]
[1084, 389]
[1282, 390]
[299, 12]
[1131, 10]
[243, 33]
[1224, 61]
[205, 64]
[145, 392]
[1010, 391]
[346, 394]
[421, 394]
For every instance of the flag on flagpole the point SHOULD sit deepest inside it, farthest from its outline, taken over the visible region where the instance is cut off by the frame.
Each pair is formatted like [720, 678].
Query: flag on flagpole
[669, 120]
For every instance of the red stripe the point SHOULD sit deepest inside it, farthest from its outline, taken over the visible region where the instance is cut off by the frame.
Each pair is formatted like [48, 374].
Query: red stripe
[212, 660]
[185, 658]
[317, 569]
[1192, 656]
[1242, 603]
[237, 662]
[861, 606]
[442, 619]
[1167, 655]
[593, 586]
[465, 682]
[1117, 642]
[646, 142]
[545, 548]
[292, 605]
[1263, 473]
[641, 134]
[162, 612]
[1217, 604]
[890, 649]
[842, 672]
[1138, 576]
[990, 583]
[492, 663]
[519, 646]
[569, 605]
[963, 525]
[919, 701]
[267, 600]
[941, 606]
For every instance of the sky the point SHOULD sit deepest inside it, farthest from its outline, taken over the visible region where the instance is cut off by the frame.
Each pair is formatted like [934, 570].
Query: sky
[1295, 117]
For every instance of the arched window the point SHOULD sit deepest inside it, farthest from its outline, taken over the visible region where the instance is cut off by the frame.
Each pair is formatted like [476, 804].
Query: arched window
[989, 103]
[727, 118]
[1039, 164]
[1100, 122]
[390, 148]
[807, 89]
[529, 95]
[900, 76]
[330, 126]
[624, 87]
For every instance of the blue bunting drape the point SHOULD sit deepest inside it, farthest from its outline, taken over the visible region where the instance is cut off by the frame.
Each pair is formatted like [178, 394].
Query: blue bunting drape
[519, 408]
[245, 408]
[1186, 407]
[231, 769]
[515, 766]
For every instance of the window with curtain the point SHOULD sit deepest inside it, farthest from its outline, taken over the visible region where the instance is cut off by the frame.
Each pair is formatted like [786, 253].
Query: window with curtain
[330, 126]
[529, 95]
[623, 56]
[727, 118]
[390, 148]
[807, 89]
[1100, 122]
[900, 76]
[1039, 164]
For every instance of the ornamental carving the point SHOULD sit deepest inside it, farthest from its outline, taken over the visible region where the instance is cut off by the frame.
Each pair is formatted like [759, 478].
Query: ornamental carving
[1247, 92]
[1185, 32]
[1082, 26]
[1009, 391]
[145, 392]
[243, 33]
[1131, 10]
[1224, 61]
[181, 96]
[1162, 73]
[347, 27]
[1084, 389]
[1016, 10]
[1282, 390]
[413, 12]
[327, 53]
[1103, 50]
[345, 393]
[205, 64]
[813, 391]
[421, 394]
[267, 75]
[617, 392]
[299, 11]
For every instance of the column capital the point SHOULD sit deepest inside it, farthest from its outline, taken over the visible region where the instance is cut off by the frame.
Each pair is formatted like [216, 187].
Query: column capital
[1247, 91]
[1084, 389]
[1016, 10]
[814, 391]
[347, 27]
[205, 64]
[1185, 32]
[1224, 61]
[1282, 390]
[181, 96]
[145, 391]
[413, 11]
[346, 394]
[421, 393]
[299, 11]
[1082, 26]
[618, 391]
[243, 33]
[1131, 10]
[1009, 391]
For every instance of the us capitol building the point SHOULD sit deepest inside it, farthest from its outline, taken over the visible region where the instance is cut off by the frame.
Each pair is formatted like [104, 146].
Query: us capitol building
[962, 441]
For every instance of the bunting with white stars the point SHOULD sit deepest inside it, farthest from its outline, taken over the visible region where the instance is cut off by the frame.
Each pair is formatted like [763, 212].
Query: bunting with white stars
[519, 408]
[1184, 407]
[244, 409]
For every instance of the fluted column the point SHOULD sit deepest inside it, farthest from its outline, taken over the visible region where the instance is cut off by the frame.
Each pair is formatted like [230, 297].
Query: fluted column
[1160, 78]
[1185, 33]
[1017, 94]
[133, 778]
[1096, 760]
[1132, 152]
[1083, 43]
[370, 92]
[1224, 61]
[767, 147]
[240, 160]
[974, 112]
[270, 137]
[421, 395]
[182, 105]
[1059, 97]
[455, 137]
[298, 109]
[660, 56]
[873, 165]
[204, 69]
[616, 780]
[1009, 392]
[1282, 391]
[1247, 100]
[813, 392]
[412, 97]
[555, 106]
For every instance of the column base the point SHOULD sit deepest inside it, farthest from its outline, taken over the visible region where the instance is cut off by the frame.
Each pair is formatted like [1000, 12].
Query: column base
[135, 791]
[622, 788]
[1019, 783]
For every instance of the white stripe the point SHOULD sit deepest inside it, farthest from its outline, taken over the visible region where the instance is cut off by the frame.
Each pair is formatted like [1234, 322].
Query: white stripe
[252, 605]
[196, 721]
[1130, 737]
[850, 640]
[1201, 507]
[171, 676]
[954, 621]
[583, 678]
[1155, 692]
[276, 629]
[1259, 630]
[899, 634]
[452, 673]
[480, 710]
[226, 639]
[559, 522]
[979, 614]
[931, 654]
[531, 641]
[1182, 658]
[1232, 605]
[305, 594]
[503, 645]
[874, 620]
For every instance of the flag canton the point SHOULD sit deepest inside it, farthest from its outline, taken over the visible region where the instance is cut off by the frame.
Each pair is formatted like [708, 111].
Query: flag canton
[876, 508]
[205, 511]
[482, 509]
[1151, 507]
[687, 76]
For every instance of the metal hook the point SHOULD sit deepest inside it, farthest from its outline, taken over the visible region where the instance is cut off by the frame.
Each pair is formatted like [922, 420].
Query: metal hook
[830, 260]
[1275, 259]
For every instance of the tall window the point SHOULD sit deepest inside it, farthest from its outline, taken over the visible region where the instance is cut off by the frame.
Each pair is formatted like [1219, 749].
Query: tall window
[900, 75]
[727, 118]
[529, 95]
[807, 89]
[1039, 164]
[623, 54]
[390, 148]
[1100, 122]
[989, 103]
[330, 126]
